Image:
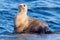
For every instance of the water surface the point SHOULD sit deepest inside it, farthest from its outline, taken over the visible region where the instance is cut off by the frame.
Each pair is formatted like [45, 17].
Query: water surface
[46, 10]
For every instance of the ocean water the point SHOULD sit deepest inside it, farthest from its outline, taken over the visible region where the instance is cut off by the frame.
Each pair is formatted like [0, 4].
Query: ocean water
[46, 10]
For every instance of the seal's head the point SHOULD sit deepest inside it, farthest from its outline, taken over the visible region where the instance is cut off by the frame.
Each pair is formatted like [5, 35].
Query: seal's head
[23, 7]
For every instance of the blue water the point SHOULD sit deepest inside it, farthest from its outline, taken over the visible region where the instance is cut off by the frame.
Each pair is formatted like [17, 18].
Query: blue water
[46, 10]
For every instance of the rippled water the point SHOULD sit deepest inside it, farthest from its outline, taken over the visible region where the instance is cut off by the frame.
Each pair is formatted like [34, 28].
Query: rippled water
[46, 10]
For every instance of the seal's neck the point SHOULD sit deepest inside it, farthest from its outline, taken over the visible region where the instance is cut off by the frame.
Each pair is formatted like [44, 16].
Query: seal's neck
[22, 16]
[23, 11]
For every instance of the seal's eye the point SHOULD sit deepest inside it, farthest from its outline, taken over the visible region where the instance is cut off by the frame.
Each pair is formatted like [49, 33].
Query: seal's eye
[24, 5]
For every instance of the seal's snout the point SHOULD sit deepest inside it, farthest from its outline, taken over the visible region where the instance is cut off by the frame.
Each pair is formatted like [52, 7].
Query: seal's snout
[22, 5]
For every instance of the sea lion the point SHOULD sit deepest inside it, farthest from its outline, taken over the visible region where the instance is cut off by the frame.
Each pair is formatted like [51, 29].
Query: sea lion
[25, 24]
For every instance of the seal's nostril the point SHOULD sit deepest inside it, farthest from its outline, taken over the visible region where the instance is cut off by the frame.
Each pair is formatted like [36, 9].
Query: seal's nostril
[19, 5]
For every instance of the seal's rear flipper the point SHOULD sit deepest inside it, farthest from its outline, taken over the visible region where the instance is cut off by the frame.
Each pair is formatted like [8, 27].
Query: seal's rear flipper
[47, 30]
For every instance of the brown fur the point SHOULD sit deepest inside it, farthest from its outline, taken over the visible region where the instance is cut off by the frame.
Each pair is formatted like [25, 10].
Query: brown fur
[25, 24]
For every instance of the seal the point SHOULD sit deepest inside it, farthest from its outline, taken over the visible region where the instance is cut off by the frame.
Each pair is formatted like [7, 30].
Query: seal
[25, 24]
